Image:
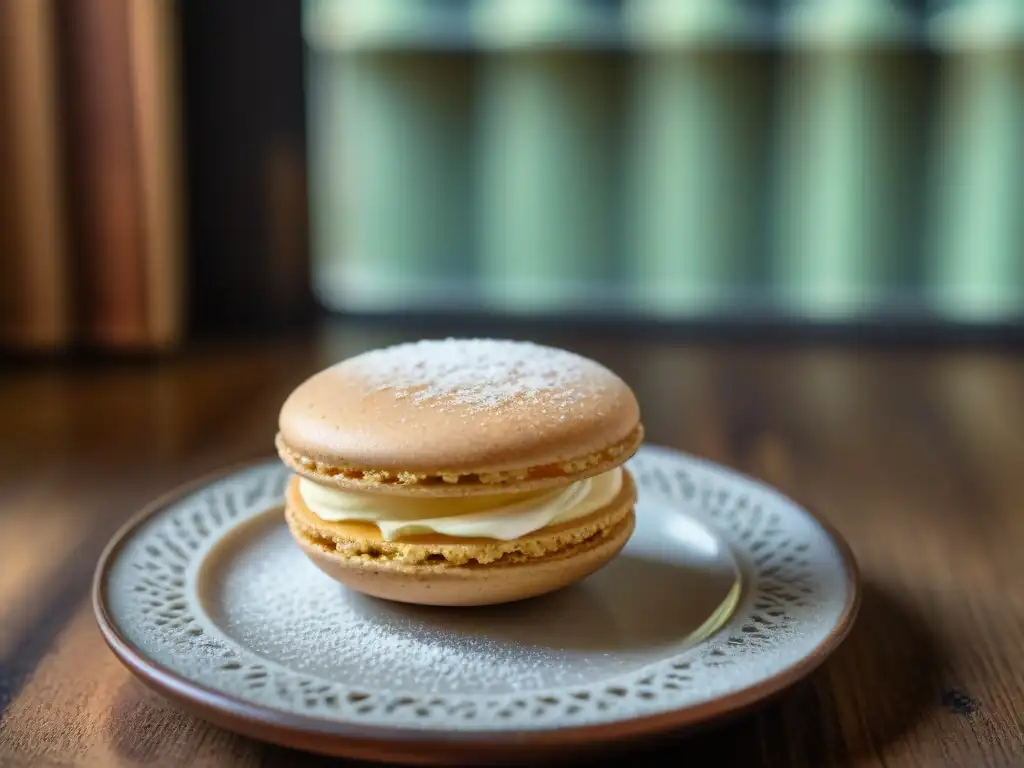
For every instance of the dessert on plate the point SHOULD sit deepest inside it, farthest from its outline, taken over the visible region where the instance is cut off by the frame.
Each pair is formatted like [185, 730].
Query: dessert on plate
[460, 471]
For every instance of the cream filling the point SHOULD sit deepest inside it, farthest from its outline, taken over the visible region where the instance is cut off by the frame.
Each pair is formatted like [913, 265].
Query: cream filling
[500, 516]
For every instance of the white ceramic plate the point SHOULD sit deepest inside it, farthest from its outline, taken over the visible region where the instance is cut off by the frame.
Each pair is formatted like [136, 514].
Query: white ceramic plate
[727, 593]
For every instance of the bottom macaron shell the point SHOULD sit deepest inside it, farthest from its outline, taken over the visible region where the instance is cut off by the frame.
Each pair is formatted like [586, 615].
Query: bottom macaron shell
[471, 585]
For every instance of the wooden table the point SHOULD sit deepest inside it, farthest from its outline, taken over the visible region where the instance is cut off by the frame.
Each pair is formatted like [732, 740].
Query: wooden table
[916, 456]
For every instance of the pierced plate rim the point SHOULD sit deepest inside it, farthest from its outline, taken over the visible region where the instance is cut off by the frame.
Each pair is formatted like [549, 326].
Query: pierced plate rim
[430, 745]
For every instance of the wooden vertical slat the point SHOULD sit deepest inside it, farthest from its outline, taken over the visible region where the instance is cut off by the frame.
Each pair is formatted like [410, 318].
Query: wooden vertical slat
[108, 204]
[153, 40]
[33, 294]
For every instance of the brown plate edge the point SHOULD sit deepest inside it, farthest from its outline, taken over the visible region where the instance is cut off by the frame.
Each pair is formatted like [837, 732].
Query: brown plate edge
[432, 747]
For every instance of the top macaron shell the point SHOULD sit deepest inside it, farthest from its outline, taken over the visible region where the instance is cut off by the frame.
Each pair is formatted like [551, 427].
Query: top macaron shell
[458, 406]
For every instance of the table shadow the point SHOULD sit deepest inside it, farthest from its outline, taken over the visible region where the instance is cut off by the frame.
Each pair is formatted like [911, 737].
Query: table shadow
[875, 688]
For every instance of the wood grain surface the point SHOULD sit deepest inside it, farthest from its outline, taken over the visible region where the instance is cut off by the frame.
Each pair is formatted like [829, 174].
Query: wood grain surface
[916, 456]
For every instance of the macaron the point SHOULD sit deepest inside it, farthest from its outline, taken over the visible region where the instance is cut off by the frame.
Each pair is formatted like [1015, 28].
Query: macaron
[460, 471]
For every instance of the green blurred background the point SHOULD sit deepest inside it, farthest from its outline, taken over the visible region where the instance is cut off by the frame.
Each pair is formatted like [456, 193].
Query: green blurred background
[818, 161]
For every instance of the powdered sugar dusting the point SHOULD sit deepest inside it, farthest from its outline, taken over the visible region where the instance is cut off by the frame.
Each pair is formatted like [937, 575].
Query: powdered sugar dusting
[479, 374]
[213, 589]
